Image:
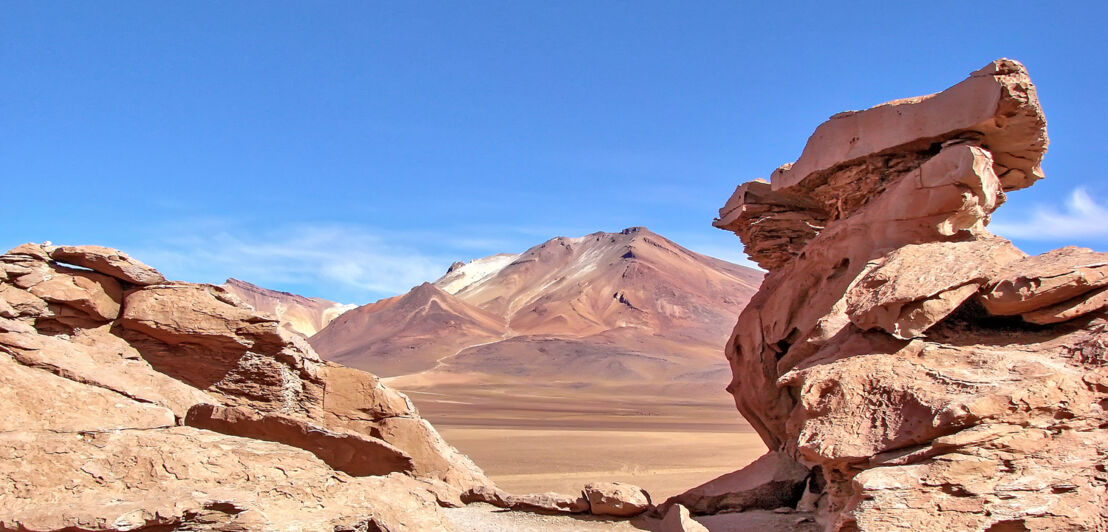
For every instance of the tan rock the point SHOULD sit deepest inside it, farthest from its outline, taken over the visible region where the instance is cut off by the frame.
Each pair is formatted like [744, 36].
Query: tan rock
[37, 252]
[110, 262]
[1046, 280]
[866, 355]
[351, 453]
[96, 398]
[550, 502]
[997, 104]
[616, 499]
[772, 481]
[917, 286]
[97, 296]
[1068, 310]
[36, 400]
[22, 302]
[197, 314]
[677, 519]
[186, 478]
[99, 358]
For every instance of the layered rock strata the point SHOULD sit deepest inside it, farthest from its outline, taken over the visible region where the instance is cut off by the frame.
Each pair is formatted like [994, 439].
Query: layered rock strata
[922, 373]
[136, 403]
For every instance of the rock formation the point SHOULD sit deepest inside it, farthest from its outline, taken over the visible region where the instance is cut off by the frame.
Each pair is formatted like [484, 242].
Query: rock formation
[923, 373]
[133, 402]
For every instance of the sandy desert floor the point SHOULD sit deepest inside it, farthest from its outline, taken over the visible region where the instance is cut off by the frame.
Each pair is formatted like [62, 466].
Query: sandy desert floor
[551, 439]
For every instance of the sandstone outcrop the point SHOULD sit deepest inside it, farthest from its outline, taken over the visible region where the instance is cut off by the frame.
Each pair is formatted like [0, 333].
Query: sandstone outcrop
[616, 499]
[923, 373]
[137, 402]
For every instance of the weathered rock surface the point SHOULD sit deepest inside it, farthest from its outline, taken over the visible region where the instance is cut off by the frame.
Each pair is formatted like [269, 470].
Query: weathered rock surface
[109, 262]
[550, 502]
[616, 498]
[678, 519]
[99, 369]
[775, 480]
[925, 373]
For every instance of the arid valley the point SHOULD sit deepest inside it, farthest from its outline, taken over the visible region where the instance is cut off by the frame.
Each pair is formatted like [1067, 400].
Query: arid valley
[565, 266]
[587, 390]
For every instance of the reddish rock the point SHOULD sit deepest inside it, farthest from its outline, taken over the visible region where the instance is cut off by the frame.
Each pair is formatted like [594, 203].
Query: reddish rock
[1053, 278]
[879, 353]
[108, 262]
[917, 286]
[39, 401]
[772, 481]
[677, 519]
[616, 499]
[190, 479]
[350, 453]
[91, 443]
[97, 296]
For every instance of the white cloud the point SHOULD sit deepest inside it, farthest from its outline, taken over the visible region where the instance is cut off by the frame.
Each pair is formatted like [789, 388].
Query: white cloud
[339, 259]
[1082, 217]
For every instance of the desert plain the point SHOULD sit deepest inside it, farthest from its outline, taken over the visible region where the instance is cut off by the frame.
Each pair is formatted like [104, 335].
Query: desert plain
[550, 438]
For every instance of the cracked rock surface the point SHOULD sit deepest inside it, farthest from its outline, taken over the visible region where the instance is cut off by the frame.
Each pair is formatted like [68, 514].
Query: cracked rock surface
[136, 403]
[924, 373]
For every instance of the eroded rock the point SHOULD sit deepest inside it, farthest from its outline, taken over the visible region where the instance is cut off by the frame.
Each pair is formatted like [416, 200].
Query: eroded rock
[678, 519]
[774, 480]
[108, 261]
[616, 499]
[288, 441]
[926, 373]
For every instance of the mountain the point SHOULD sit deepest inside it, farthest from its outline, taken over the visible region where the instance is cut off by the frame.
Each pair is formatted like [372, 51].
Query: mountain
[305, 315]
[606, 313]
[407, 333]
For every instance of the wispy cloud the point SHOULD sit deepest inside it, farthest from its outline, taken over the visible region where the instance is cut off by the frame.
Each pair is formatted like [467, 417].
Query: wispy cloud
[335, 260]
[1081, 217]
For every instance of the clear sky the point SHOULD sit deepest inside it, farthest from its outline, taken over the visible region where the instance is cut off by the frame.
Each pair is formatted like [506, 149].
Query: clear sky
[351, 150]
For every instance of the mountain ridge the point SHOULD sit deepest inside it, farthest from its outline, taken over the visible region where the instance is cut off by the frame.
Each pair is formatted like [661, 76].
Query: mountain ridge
[630, 305]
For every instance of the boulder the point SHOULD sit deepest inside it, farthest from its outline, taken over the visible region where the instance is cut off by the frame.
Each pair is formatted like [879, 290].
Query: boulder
[353, 454]
[96, 296]
[616, 499]
[21, 302]
[677, 519]
[108, 261]
[547, 503]
[204, 315]
[772, 481]
[98, 358]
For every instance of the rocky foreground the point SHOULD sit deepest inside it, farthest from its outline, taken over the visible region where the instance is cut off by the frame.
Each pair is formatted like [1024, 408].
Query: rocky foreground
[137, 403]
[908, 369]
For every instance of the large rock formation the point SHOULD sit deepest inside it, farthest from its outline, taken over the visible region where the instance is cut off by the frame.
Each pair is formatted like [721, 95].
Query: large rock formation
[927, 374]
[135, 402]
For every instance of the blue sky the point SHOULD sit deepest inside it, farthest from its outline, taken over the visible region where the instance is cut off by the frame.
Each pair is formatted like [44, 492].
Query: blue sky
[351, 150]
